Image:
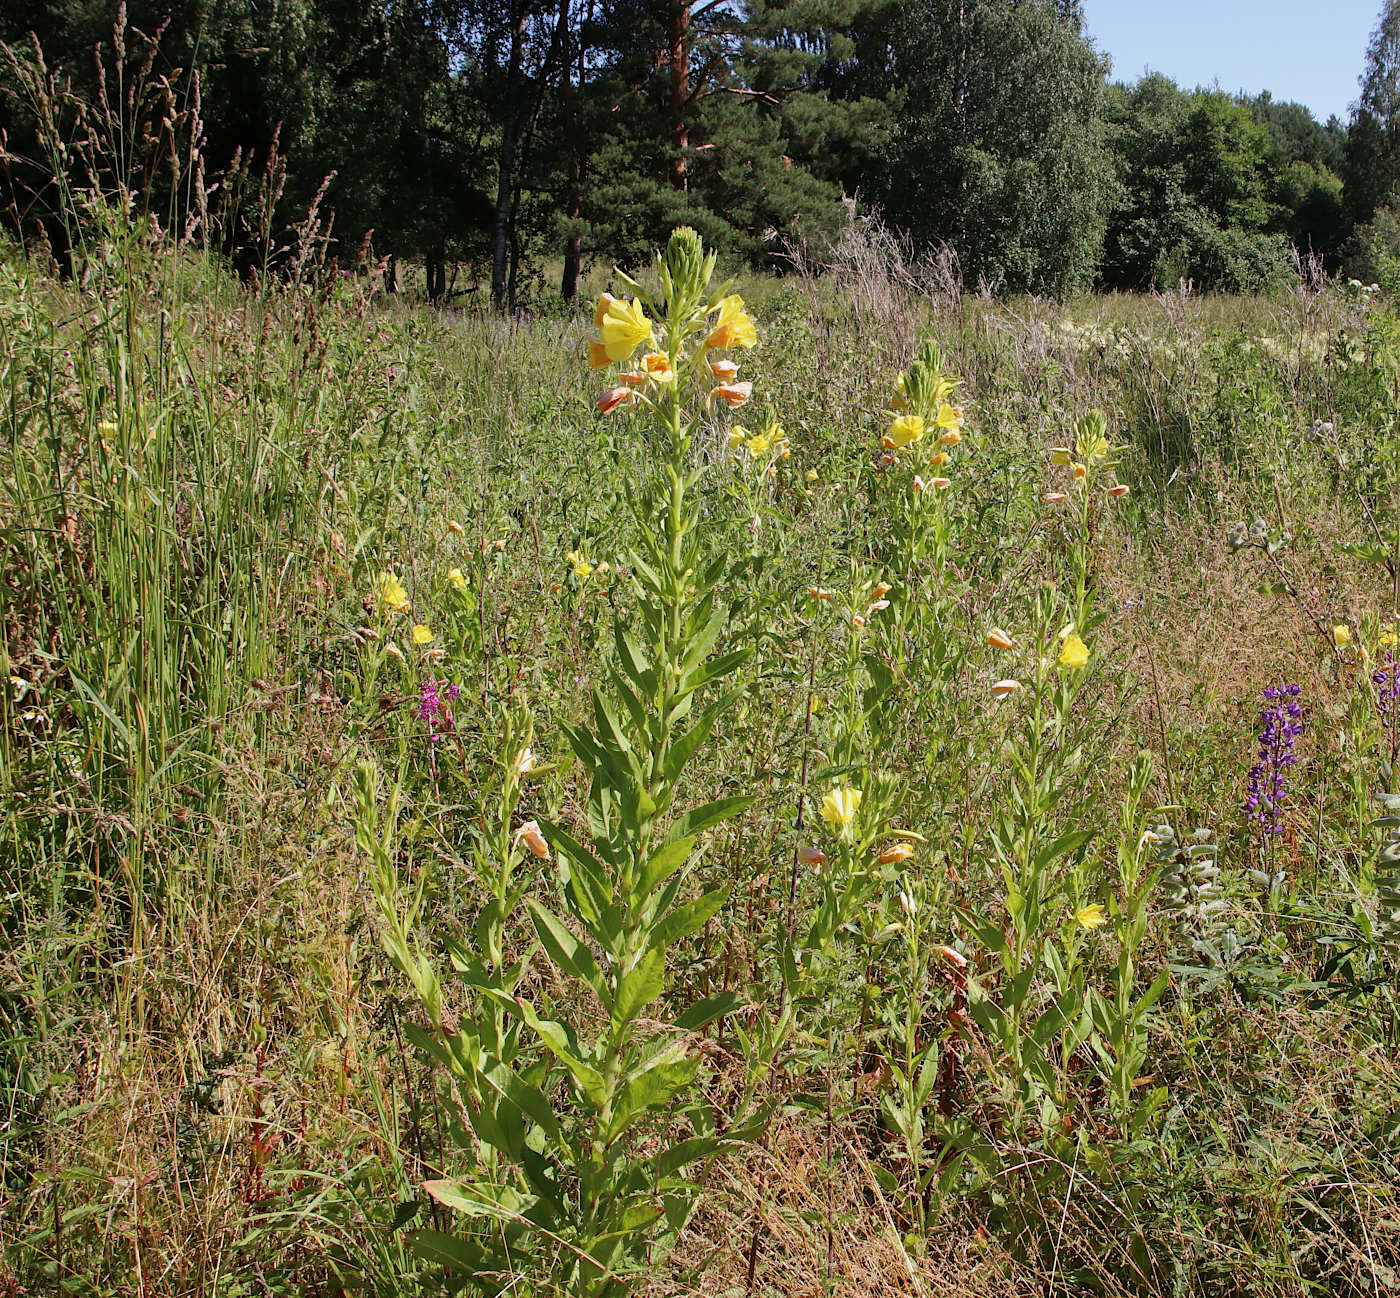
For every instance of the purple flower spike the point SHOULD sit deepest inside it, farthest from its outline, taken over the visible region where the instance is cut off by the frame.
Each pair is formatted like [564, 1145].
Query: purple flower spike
[1280, 724]
[433, 710]
[1386, 679]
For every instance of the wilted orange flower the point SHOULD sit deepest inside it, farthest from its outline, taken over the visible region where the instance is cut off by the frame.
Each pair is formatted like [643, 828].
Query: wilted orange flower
[529, 834]
[724, 371]
[734, 394]
[895, 853]
[612, 398]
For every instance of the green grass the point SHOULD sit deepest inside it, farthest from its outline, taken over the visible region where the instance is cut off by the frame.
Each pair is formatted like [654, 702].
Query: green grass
[209, 1079]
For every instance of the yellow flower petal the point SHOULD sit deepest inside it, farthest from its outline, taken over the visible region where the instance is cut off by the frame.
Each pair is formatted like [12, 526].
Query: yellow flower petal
[839, 807]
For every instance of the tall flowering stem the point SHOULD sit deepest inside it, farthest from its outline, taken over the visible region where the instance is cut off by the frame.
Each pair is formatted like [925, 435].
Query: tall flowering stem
[1280, 724]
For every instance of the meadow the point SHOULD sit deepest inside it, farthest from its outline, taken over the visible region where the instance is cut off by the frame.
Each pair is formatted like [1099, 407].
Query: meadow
[824, 837]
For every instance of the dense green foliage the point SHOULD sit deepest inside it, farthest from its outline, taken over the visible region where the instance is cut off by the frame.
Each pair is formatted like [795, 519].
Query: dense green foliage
[507, 145]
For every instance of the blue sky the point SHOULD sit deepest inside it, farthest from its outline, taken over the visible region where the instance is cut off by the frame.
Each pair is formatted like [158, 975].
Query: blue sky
[1311, 51]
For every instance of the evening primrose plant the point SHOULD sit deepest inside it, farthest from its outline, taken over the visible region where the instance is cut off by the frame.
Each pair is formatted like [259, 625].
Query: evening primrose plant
[586, 1101]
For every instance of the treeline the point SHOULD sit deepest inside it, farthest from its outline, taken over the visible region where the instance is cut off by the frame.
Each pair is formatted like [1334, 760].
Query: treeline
[515, 137]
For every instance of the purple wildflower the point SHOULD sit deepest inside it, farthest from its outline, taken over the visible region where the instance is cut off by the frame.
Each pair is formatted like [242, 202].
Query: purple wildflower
[1280, 724]
[1386, 679]
[432, 708]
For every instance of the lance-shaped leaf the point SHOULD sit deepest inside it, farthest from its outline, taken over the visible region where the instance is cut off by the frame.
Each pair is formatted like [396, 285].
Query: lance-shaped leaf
[688, 919]
[639, 987]
[652, 1087]
[567, 952]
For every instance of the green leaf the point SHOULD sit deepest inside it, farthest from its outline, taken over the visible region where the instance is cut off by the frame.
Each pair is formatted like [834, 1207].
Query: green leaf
[688, 919]
[1062, 846]
[640, 987]
[652, 1086]
[706, 816]
[634, 661]
[664, 862]
[708, 1010]
[554, 1037]
[463, 1255]
[567, 952]
[474, 1200]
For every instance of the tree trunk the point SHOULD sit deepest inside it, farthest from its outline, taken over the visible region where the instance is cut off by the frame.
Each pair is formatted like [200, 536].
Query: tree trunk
[573, 133]
[505, 171]
[678, 61]
[573, 245]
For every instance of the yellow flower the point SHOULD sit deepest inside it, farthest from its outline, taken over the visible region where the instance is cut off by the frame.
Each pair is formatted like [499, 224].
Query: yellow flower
[998, 638]
[894, 854]
[605, 302]
[1090, 916]
[1059, 455]
[906, 430]
[458, 579]
[738, 433]
[810, 475]
[759, 444]
[1075, 653]
[1341, 636]
[391, 592]
[657, 366]
[1388, 639]
[949, 416]
[733, 328]
[582, 568]
[839, 807]
[622, 328]
[421, 635]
